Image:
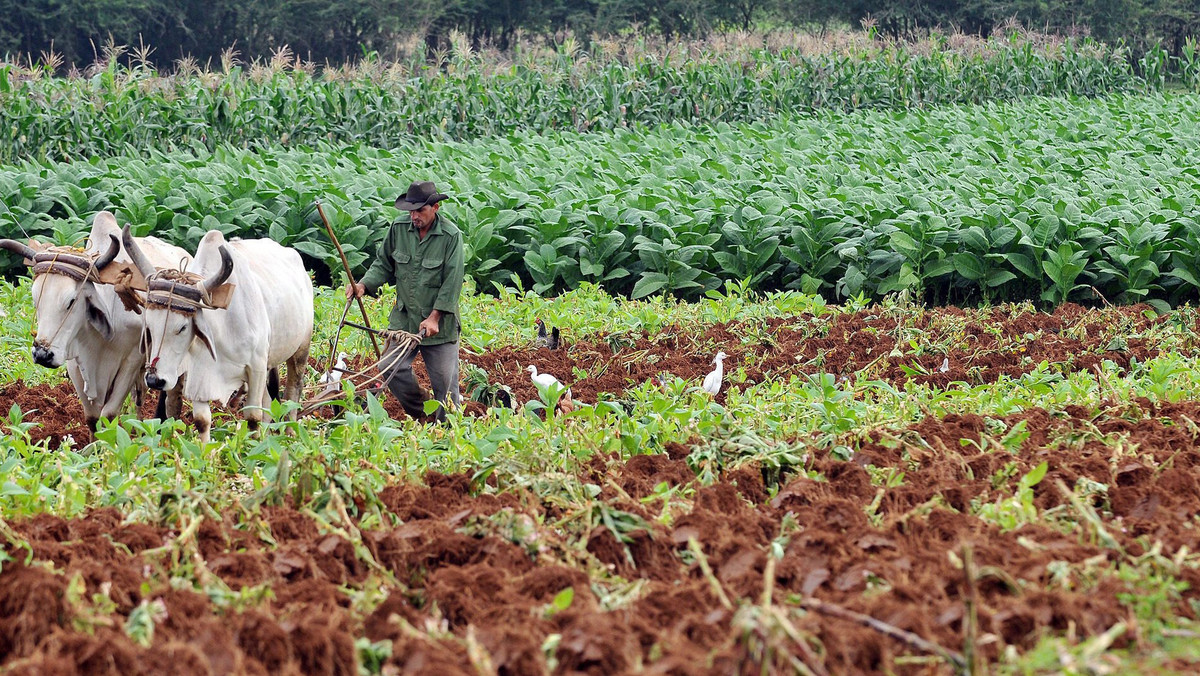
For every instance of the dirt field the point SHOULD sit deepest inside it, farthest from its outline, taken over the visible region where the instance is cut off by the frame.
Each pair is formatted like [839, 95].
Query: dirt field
[994, 343]
[458, 562]
[991, 343]
[464, 577]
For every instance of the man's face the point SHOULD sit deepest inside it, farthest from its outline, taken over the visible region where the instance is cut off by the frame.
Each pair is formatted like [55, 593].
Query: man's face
[423, 217]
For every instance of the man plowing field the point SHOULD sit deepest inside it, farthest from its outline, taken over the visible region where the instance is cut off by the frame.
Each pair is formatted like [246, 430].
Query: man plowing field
[422, 256]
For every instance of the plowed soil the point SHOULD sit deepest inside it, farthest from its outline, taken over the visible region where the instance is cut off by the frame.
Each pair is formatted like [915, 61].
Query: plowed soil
[463, 579]
[982, 346]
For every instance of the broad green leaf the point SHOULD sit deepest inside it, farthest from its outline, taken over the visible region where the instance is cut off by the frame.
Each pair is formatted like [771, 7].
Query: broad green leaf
[650, 282]
[968, 265]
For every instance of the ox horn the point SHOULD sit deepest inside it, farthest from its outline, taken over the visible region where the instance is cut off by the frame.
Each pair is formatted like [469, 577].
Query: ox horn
[135, 252]
[212, 283]
[19, 248]
[114, 247]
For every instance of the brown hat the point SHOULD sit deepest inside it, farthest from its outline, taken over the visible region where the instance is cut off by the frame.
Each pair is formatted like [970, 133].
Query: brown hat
[419, 194]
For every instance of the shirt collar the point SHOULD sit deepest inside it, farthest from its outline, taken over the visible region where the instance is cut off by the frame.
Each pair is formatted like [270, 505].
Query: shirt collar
[435, 229]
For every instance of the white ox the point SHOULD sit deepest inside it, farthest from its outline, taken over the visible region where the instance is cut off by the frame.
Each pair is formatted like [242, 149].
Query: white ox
[85, 325]
[268, 321]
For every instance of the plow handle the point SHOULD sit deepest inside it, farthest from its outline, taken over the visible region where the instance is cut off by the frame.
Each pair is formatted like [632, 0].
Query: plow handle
[349, 276]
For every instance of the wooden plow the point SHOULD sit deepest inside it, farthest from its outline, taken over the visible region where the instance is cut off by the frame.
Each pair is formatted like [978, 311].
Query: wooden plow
[373, 378]
[397, 344]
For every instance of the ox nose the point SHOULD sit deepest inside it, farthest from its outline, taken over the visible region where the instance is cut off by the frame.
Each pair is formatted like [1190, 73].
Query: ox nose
[154, 382]
[43, 357]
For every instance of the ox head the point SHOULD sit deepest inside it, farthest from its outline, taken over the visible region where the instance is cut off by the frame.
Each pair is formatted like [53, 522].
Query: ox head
[174, 316]
[65, 300]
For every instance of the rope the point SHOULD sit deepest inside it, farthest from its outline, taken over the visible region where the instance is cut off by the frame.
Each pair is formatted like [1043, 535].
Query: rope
[152, 361]
[75, 263]
[177, 290]
[178, 275]
[73, 267]
[66, 261]
[398, 343]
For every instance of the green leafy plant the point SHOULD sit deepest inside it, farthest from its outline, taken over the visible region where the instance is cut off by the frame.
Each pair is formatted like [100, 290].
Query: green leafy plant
[1010, 513]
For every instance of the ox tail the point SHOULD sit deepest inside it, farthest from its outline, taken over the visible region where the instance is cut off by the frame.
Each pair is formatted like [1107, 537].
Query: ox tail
[273, 383]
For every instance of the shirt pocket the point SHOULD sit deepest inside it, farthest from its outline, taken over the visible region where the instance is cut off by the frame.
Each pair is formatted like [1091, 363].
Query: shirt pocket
[430, 273]
[402, 263]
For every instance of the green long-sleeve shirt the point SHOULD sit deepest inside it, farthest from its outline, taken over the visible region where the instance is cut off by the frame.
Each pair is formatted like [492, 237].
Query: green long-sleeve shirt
[428, 275]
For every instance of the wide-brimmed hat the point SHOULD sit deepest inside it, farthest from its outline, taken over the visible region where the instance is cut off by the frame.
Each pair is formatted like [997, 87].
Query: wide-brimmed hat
[419, 194]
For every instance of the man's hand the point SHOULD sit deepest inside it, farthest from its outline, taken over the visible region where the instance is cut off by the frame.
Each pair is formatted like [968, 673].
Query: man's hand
[430, 324]
[355, 290]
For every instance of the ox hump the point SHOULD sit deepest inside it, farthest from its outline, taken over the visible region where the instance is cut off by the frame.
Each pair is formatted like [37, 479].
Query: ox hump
[106, 220]
[212, 238]
[103, 225]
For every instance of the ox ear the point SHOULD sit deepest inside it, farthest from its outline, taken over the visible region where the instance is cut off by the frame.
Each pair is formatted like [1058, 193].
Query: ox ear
[98, 318]
[200, 324]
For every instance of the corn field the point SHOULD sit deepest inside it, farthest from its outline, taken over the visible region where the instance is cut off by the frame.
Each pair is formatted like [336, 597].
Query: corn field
[119, 108]
[1043, 199]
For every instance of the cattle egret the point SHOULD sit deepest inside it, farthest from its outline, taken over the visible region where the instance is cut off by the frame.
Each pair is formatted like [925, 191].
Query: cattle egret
[712, 381]
[543, 381]
[335, 374]
[945, 365]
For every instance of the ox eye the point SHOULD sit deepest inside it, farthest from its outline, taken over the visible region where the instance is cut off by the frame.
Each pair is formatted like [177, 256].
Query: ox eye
[70, 303]
[180, 331]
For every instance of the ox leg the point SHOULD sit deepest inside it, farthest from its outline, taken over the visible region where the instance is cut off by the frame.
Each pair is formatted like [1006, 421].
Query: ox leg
[91, 413]
[272, 392]
[296, 365]
[111, 410]
[256, 394]
[174, 401]
[202, 414]
[273, 384]
[160, 411]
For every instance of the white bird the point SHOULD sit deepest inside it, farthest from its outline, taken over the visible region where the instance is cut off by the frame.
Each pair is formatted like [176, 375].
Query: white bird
[543, 381]
[945, 365]
[712, 381]
[335, 374]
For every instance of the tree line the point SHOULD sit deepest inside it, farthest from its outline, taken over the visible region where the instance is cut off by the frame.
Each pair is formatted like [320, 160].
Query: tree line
[337, 31]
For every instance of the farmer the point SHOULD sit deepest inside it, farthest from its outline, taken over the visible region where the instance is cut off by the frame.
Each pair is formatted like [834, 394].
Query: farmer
[423, 257]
